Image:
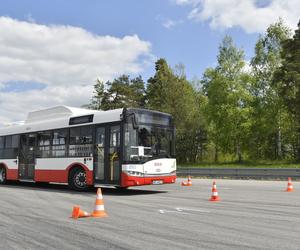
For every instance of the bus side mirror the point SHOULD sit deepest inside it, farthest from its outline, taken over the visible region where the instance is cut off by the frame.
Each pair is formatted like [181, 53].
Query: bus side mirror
[127, 116]
[134, 123]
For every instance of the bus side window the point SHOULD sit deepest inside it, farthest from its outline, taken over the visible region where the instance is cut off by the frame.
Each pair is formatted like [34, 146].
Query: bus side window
[11, 145]
[81, 141]
[2, 140]
[59, 141]
[44, 144]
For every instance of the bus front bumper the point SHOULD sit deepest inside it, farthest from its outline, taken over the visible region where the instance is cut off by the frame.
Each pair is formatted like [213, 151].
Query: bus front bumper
[129, 181]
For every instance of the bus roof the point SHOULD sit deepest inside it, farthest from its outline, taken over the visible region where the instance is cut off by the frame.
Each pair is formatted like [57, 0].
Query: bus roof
[59, 117]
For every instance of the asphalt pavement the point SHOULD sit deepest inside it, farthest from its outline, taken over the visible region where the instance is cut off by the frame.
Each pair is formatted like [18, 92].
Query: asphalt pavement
[251, 215]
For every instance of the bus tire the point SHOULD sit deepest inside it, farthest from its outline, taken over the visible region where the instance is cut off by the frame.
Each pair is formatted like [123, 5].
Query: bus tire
[77, 179]
[2, 176]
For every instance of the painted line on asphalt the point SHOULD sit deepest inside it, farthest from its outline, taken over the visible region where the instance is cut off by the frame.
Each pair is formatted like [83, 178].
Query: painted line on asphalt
[163, 211]
[181, 209]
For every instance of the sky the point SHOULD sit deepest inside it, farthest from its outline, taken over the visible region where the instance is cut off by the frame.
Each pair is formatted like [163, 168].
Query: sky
[51, 52]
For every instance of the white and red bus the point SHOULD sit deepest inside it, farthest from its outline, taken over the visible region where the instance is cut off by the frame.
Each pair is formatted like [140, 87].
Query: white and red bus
[81, 147]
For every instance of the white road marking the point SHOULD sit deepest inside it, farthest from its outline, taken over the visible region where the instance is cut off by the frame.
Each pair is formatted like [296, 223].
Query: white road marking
[163, 211]
[181, 209]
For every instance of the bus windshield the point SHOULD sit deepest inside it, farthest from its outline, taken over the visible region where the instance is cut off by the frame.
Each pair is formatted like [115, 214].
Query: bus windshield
[150, 138]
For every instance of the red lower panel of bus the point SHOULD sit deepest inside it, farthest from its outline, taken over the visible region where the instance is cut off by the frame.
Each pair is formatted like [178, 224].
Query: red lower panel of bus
[128, 181]
[12, 174]
[60, 176]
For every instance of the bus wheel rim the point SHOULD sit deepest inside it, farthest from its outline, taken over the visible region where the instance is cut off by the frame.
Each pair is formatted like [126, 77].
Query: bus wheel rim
[80, 180]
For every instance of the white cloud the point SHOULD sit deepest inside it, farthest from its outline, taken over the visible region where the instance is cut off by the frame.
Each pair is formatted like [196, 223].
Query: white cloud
[169, 23]
[246, 14]
[66, 59]
[16, 105]
[182, 2]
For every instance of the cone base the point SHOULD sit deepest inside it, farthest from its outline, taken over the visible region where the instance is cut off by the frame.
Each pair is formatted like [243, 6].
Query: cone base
[99, 215]
[214, 199]
[85, 215]
[289, 190]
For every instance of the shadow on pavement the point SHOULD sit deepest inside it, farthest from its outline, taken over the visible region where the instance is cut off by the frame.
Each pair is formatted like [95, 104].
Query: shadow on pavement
[63, 188]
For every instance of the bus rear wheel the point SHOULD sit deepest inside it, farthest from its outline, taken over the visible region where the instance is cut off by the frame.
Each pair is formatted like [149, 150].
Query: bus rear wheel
[77, 179]
[2, 176]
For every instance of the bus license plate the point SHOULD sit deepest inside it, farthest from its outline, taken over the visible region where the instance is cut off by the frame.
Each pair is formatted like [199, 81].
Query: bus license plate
[157, 182]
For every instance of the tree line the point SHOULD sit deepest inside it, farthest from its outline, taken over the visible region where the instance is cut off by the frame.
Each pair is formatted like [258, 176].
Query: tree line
[237, 111]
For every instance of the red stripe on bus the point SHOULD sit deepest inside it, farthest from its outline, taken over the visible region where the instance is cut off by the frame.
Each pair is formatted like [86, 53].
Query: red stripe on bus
[11, 174]
[60, 176]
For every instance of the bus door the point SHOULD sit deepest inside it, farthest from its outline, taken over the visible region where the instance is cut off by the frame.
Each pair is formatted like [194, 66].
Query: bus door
[27, 156]
[107, 154]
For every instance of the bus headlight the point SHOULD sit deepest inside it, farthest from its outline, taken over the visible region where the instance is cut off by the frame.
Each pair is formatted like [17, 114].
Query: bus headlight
[173, 172]
[134, 173]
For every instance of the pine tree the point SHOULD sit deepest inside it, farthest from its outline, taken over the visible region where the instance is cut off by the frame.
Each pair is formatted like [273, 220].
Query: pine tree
[120, 93]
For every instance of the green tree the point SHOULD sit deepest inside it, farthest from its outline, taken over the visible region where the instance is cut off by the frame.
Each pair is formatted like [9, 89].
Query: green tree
[98, 97]
[159, 85]
[169, 91]
[120, 93]
[268, 109]
[287, 80]
[228, 109]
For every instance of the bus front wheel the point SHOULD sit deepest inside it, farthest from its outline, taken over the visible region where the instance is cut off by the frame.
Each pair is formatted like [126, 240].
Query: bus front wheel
[2, 176]
[77, 179]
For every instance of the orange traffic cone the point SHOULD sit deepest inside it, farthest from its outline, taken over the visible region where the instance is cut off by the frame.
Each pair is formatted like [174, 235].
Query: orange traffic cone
[188, 183]
[290, 187]
[78, 213]
[99, 205]
[214, 196]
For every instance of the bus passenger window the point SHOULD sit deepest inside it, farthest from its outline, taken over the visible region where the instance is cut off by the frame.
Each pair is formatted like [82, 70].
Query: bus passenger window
[59, 142]
[2, 142]
[44, 144]
[10, 150]
[2, 147]
[81, 140]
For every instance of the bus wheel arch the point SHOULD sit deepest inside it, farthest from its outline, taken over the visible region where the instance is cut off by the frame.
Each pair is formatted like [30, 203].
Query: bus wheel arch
[77, 178]
[3, 174]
